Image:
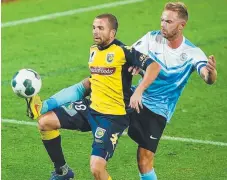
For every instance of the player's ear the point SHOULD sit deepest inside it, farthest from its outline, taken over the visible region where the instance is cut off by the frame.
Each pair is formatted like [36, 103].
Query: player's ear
[113, 32]
[182, 25]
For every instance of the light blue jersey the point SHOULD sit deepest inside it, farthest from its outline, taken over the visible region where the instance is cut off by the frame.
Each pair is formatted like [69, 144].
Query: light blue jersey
[176, 67]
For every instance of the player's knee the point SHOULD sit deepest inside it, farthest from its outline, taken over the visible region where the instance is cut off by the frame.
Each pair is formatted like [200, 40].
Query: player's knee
[145, 163]
[97, 166]
[96, 171]
[41, 124]
[48, 122]
[145, 158]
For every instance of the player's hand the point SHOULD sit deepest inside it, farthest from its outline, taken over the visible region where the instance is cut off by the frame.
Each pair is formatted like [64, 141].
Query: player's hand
[136, 101]
[211, 64]
[134, 70]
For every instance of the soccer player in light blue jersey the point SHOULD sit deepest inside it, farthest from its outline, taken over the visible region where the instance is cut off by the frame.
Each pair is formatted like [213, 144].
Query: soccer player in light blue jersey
[178, 58]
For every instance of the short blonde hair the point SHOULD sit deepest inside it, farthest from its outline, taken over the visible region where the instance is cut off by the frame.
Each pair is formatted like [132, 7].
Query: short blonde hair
[178, 7]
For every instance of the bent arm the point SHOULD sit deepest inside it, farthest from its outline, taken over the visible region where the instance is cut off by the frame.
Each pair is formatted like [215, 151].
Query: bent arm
[150, 75]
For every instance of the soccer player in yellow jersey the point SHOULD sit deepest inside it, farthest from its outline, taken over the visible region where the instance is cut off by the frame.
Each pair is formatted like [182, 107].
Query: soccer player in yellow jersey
[110, 90]
[106, 112]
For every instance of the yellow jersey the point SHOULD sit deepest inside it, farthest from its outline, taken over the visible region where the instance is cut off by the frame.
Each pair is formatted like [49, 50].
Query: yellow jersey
[110, 79]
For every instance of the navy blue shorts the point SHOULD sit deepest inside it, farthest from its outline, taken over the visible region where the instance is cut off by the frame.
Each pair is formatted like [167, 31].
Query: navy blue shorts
[106, 130]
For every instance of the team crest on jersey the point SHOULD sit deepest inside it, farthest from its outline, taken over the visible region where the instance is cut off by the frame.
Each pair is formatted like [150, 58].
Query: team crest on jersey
[99, 132]
[92, 55]
[110, 57]
[183, 57]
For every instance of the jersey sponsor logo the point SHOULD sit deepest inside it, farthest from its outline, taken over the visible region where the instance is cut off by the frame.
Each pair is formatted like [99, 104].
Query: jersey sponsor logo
[114, 139]
[99, 133]
[110, 57]
[183, 57]
[102, 70]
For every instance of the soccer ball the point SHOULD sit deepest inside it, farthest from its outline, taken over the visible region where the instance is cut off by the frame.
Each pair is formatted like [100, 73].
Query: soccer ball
[26, 83]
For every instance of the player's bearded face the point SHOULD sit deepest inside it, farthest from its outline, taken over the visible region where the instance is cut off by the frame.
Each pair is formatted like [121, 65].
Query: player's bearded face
[170, 24]
[102, 33]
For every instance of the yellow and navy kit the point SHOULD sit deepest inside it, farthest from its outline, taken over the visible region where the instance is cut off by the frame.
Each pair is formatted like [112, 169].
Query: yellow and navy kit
[110, 79]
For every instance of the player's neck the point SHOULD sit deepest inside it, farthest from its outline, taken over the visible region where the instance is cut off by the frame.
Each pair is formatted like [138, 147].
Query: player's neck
[106, 44]
[176, 42]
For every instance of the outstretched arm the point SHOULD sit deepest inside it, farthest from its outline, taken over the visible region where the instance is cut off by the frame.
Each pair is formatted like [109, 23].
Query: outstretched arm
[209, 72]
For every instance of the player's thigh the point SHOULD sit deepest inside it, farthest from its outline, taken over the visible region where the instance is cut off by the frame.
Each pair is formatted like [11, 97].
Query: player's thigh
[74, 116]
[146, 128]
[107, 130]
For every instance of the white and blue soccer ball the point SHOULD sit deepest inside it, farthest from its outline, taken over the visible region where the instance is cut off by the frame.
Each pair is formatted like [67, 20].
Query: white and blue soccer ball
[26, 83]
